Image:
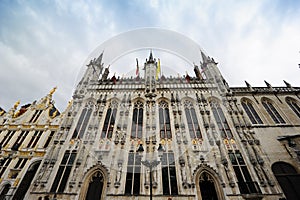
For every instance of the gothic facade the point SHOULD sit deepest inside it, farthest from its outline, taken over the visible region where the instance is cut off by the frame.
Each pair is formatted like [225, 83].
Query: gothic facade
[190, 137]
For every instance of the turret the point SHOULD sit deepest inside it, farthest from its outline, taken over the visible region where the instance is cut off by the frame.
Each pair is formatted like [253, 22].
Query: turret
[212, 73]
[150, 67]
[92, 73]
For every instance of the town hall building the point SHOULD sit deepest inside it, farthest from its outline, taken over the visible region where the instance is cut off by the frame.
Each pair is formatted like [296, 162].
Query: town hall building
[154, 136]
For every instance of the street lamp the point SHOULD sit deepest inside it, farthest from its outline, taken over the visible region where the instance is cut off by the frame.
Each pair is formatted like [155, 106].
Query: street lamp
[151, 164]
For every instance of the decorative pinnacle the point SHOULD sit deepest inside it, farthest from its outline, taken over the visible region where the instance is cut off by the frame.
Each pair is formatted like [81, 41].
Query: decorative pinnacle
[17, 104]
[52, 91]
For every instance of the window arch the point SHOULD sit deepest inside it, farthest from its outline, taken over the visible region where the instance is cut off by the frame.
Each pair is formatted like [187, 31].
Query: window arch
[221, 120]
[94, 184]
[288, 179]
[164, 120]
[251, 112]
[192, 121]
[137, 120]
[294, 105]
[95, 188]
[208, 185]
[270, 108]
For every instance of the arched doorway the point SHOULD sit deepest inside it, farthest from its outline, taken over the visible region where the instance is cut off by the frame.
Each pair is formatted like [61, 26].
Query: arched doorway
[288, 179]
[94, 184]
[208, 185]
[95, 187]
[26, 181]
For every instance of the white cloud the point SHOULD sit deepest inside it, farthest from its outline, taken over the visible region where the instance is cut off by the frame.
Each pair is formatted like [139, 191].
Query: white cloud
[45, 44]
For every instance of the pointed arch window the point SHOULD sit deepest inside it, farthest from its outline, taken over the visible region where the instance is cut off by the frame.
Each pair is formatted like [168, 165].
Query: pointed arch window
[132, 184]
[63, 172]
[4, 192]
[294, 106]
[26, 181]
[110, 120]
[95, 188]
[164, 120]
[82, 123]
[137, 120]
[251, 112]
[221, 120]
[192, 121]
[268, 105]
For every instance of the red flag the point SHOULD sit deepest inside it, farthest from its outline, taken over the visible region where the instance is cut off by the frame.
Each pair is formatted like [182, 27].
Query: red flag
[187, 78]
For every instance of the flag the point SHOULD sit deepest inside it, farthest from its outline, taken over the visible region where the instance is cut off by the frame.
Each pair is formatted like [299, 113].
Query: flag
[187, 78]
[158, 69]
[137, 68]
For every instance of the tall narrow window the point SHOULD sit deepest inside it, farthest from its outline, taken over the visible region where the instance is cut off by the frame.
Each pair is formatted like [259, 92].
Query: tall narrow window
[95, 187]
[49, 139]
[63, 172]
[132, 184]
[20, 140]
[109, 121]
[137, 120]
[35, 116]
[245, 183]
[4, 192]
[288, 179]
[4, 162]
[294, 106]
[6, 138]
[169, 180]
[164, 120]
[82, 123]
[192, 120]
[221, 121]
[34, 139]
[251, 112]
[26, 181]
[273, 112]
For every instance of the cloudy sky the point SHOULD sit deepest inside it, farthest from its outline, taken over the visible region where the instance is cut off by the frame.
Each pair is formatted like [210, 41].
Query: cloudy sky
[45, 43]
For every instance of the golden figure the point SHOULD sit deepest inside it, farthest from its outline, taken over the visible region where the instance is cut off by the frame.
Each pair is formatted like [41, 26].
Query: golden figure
[17, 104]
[52, 91]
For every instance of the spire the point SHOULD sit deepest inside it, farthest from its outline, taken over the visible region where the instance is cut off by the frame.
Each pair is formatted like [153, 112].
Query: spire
[151, 56]
[151, 60]
[204, 57]
[269, 85]
[287, 84]
[249, 86]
